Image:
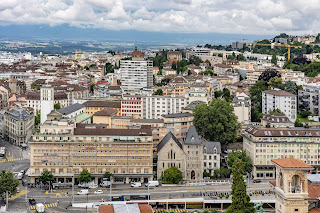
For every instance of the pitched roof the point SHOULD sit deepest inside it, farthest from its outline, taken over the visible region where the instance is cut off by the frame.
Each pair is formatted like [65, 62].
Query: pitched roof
[70, 109]
[177, 115]
[112, 104]
[279, 92]
[106, 112]
[95, 129]
[192, 136]
[314, 210]
[165, 140]
[12, 80]
[283, 132]
[145, 208]
[291, 163]
[211, 145]
[314, 191]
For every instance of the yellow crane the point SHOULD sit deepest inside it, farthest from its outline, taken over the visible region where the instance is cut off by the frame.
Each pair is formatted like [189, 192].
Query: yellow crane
[272, 45]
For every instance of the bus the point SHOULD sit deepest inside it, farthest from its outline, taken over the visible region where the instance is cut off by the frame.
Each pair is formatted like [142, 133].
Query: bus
[3, 152]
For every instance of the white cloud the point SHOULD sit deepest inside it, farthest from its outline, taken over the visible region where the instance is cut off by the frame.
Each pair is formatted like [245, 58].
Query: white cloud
[223, 16]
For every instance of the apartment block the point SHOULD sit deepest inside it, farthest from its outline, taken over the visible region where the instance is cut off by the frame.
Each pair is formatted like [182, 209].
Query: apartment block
[155, 106]
[131, 105]
[282, 100]
[308, 98]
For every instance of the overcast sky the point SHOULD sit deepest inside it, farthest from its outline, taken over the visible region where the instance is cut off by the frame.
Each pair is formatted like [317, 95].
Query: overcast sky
[216, 16]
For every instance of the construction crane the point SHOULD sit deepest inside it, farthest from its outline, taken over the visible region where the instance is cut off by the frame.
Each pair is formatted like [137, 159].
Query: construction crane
[274, 44]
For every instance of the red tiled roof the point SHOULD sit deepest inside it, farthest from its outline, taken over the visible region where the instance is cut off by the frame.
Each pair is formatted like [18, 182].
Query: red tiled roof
[314, 210]
[106, 209]
[272, 182]
[144, 208]
[137, 53]
[291, 163]
[12, 80]
[314, 191]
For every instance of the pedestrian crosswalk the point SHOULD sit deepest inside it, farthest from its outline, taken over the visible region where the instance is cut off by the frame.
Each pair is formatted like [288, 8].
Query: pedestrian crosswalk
[45, 205]
[10, 159]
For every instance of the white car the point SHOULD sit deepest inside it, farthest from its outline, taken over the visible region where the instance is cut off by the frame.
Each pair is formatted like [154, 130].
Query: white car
[93, 186]
[98, 192]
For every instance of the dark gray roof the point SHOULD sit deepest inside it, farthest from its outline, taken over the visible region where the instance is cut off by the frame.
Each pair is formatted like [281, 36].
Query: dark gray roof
[192, 105]
[210, 145]
[19, 114]
[177, 115]
[146, 120]
[70, 109]
[192, 136]
[168, 136]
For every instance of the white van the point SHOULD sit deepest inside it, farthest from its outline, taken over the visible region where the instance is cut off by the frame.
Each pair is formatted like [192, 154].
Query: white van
[83, 192]
[137, 184]
[152, 183]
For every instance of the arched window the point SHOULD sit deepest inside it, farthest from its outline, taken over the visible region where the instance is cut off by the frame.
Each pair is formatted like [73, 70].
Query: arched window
[174, 155]
[171, 154]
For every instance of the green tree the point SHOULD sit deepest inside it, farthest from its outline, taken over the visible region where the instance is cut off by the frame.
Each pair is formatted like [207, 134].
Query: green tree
[206, 174]
[109, 68]
[216, 121]
[240, 199]
[242, 155]
[37, 118]
[194, 60]
[312, 70]
[274, 59]
[276, 111]
[276, 82]
[172, 175]
[297, 123]
[8, 183]
[304, 113]
[46, 177]
[108, 175]
[174, 65]
[84, 176]
[158, 92]
[256, 94]
[291, 87]
[240, 57]
[92, 86]
[57, 106]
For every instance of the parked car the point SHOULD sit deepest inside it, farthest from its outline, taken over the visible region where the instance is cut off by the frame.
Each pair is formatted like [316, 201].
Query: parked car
[257, 181]
[94, 186]
[152, 183]
[98, 192]
[137, 184]
[32, 201]
[83, 192]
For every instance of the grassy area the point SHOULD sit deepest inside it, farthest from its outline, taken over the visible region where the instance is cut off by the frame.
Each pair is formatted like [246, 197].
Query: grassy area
[301, 119]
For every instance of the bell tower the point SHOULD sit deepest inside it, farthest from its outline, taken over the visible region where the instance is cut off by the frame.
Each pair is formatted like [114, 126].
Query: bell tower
[47, 101]
[291, 187]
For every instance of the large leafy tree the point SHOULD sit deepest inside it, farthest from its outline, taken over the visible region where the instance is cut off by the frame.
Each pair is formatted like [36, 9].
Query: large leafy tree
[242, 155]
[8, 184]
[57, 106]
[291, 87]
[37, 118]
[240, 199]
[46, 177]
[268, 74]
[172, 175]
[158, 92]
[216, 121]
[276, 82]
[256, 93]
[274, 59]
[84, 176]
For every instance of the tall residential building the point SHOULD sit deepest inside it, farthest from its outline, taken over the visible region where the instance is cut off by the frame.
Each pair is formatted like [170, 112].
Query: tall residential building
[156, 105]
[308, 98]
[66, 150]
[136, 73]
[131, 105]
[18, 124]
[46, 101]
[282, 100]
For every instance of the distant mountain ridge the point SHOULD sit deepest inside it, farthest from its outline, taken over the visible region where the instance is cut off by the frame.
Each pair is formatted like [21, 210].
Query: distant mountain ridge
[43, 32]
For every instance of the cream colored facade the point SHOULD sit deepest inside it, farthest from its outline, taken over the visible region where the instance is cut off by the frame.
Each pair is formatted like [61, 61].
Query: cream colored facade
[291, 189]
[264, 144]
[253, 76]
[127, 153]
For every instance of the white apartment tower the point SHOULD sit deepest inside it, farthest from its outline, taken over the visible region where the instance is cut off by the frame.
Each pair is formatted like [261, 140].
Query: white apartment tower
[282, 100]
[47, 101]
[136, 73]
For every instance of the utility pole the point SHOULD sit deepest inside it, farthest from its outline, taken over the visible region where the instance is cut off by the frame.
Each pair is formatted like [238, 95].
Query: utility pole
[110, 188]
[7, 203]
[72, 189]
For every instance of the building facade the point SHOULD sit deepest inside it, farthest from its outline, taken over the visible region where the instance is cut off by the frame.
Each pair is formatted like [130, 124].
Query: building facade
[127, 153]
[18, 124]
[155, 106]
[264, 144]
[282, 100]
